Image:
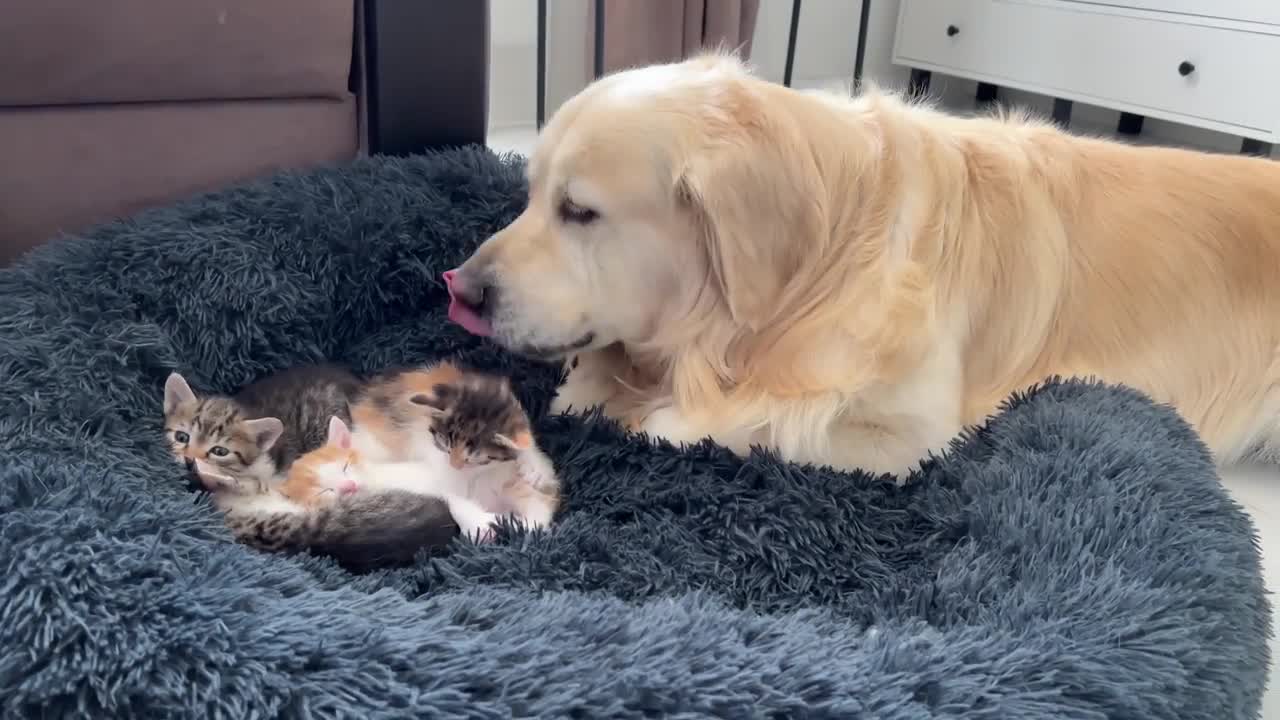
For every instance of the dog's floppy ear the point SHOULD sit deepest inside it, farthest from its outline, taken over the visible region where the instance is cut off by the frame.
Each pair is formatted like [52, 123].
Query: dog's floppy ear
[754, 187]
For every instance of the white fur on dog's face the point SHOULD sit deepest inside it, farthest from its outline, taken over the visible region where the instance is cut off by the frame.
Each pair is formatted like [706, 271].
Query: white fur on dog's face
[605, 251]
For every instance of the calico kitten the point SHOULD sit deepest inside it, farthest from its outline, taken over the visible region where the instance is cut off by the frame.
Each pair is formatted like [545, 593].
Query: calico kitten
[483, 432]
[250, 439]
[337, 470]
[476, 420]
[470, 428]
[387, 426]
[325, 474]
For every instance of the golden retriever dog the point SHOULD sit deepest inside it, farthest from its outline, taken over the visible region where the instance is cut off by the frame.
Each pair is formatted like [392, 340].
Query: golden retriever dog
[852, 280]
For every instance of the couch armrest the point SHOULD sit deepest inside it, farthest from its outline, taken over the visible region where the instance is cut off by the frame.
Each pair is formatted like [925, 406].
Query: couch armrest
[426, 78]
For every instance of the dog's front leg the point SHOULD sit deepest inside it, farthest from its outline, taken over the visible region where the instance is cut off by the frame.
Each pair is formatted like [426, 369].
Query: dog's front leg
[592, 380]
[670, 424]
[875, 448]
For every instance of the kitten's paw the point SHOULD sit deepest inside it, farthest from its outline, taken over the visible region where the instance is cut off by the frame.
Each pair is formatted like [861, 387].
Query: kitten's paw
[481, 528]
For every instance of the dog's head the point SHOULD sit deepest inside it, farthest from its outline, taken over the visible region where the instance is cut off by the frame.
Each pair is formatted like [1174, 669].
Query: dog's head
[658, 198]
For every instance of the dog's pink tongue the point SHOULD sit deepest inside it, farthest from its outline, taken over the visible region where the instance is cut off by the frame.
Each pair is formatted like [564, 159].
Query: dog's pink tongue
[462, 314]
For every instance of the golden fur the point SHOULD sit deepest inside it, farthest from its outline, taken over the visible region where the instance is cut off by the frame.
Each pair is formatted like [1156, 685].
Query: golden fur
[852, 280]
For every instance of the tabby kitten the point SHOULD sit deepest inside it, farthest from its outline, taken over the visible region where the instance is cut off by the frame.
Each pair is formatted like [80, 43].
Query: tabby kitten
[362, 532]
[244, 443]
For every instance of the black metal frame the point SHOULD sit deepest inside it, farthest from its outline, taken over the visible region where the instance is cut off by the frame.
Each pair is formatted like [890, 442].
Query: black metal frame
[792, 32]
[918, 85]
[597, 48]
[542, 64]
[861, 53]
[426, 74]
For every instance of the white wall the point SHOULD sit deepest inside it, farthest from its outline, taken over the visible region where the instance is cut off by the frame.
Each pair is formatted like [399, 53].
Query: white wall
[826, 45]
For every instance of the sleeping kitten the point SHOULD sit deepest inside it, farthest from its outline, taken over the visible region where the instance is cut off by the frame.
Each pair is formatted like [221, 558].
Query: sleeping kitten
[362, 532]
[387, 427]
[337, 470]
[470, 434]
[252, 438]
[486, 450]
[365, 532]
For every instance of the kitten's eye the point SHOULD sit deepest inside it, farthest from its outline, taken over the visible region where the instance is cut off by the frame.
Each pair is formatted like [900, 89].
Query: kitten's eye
[572, 212]
[179, 436]
[219, 451]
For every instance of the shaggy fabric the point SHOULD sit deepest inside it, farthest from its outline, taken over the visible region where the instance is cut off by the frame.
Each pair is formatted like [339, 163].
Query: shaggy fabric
[1075, 558]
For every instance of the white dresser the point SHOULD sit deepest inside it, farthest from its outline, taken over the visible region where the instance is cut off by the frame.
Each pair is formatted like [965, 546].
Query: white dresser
[1208, 63]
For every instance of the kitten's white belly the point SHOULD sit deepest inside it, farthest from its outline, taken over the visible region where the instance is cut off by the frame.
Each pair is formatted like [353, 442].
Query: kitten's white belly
[369, 446]
[437, 478]
[414, 477]
[269, 503]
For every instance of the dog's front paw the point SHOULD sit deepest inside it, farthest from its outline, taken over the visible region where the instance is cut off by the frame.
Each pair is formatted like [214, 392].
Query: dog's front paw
[668, 423]
[579, 394]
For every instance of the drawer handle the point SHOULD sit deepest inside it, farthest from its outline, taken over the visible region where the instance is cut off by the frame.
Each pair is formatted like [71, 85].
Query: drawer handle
[1185, 68]
[952, 31]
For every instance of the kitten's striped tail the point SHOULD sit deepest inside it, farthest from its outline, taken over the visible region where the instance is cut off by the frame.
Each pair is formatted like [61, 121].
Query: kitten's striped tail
[362, 532]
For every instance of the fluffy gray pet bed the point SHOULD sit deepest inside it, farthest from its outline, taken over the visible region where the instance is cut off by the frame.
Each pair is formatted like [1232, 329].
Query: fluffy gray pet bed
[1075, 558]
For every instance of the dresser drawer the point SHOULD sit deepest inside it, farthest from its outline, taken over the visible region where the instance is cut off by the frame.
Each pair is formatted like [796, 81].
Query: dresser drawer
[1070, 50]
[1259, 11]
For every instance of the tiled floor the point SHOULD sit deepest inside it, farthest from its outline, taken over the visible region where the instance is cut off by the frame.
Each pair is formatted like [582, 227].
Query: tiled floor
[1257, 489]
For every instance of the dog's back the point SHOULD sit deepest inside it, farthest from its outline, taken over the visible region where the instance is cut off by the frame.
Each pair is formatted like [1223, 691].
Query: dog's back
[1154, 267]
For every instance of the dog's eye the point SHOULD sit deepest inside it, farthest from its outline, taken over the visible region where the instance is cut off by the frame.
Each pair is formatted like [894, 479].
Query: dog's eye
[572, 212]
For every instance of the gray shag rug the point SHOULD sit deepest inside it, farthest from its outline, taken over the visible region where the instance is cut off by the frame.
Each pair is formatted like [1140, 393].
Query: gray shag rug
[1074, 558]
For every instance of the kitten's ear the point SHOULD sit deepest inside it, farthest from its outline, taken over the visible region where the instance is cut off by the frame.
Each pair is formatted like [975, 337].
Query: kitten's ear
[522, 440]
[444, 393]
[176, 392]
[424, 400]
[434, 401]
[265, 431]
[339, 433]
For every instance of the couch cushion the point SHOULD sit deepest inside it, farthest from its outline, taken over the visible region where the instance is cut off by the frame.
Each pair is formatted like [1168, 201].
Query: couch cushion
[68, 167]
[70, 51]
